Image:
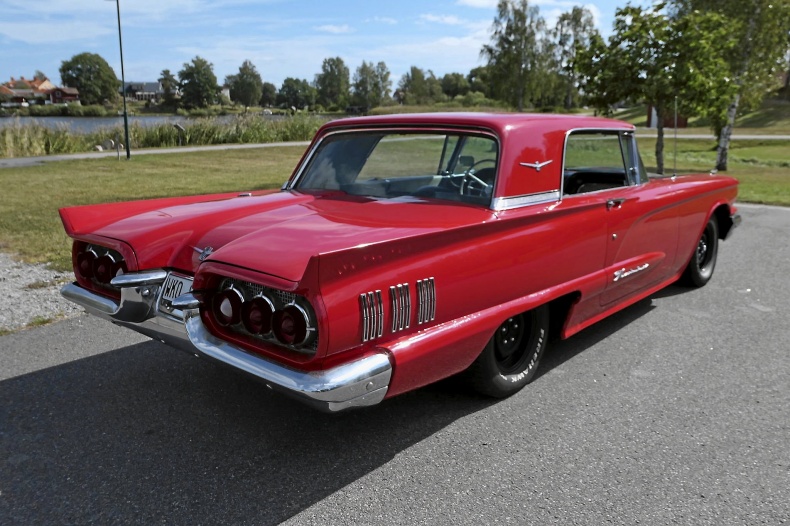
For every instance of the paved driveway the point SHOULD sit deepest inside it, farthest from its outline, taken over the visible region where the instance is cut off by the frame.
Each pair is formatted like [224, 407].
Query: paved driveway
[676, 410]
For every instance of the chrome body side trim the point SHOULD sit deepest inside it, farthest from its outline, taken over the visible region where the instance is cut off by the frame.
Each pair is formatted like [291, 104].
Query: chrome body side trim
[362, 382]
[508, 203]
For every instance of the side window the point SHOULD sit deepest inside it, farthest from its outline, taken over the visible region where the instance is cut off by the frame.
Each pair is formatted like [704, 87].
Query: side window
[636, 168]
[595, 161]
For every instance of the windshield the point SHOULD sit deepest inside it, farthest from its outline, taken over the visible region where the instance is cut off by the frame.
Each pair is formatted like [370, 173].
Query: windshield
[450, 166]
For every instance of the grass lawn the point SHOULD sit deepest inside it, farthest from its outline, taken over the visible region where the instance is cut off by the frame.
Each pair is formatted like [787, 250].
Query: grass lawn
[29, 222]
[30, 225]
[772, 118]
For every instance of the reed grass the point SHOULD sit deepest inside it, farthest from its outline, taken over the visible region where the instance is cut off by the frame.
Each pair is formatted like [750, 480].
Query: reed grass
[26, 140]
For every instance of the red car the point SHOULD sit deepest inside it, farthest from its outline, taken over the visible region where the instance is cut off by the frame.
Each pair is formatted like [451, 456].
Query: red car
[405, 249]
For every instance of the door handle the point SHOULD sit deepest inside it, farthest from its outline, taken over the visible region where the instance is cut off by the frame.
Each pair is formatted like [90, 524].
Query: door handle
[614, 203]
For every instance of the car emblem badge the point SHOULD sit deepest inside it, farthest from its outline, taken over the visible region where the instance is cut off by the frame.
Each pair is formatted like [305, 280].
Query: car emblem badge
[536, 166]
[204, 253]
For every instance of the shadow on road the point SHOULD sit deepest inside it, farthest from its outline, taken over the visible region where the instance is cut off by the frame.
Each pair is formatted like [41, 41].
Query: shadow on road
[561, 351]
[147, 434]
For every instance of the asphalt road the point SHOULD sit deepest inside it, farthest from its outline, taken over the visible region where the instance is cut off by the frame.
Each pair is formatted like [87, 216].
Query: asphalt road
[676, 410]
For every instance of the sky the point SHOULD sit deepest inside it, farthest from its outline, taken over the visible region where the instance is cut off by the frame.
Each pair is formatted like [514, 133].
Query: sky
[283, 38]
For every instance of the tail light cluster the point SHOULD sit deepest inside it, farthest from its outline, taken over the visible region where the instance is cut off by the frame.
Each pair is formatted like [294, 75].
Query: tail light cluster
[264, 313]
[97, 265]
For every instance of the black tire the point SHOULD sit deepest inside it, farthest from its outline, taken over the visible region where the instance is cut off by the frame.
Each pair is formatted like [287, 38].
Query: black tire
[510, 358]
[703, 260]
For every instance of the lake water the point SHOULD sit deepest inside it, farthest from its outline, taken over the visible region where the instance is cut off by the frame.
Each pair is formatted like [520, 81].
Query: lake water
[90, 124]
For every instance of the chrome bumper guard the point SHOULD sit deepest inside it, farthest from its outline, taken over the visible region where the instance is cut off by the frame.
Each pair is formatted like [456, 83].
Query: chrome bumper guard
[363, 382]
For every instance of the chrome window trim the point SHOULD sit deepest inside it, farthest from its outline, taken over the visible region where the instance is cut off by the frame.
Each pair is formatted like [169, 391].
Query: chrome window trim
[408, 128]
[499, 204]
[568, 133]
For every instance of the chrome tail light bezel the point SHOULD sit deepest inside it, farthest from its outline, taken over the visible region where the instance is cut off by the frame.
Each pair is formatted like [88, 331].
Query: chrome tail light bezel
[262, 313]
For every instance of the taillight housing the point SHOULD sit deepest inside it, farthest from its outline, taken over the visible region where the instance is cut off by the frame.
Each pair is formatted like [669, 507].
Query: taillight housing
[95, 266]
[263, 314]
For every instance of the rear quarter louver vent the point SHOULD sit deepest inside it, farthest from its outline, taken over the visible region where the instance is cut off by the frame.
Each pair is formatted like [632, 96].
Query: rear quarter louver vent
[426, 300]
[400, 308]
[372, 311]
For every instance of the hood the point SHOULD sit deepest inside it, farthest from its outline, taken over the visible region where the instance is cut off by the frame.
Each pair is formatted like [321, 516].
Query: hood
[278, 233]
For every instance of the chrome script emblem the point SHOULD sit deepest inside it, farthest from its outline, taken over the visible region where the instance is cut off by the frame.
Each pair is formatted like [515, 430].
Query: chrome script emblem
[623, 273]
[203, 253]
[536, 166]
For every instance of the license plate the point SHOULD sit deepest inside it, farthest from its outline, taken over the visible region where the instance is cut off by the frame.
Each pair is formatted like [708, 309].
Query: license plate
[173, 287]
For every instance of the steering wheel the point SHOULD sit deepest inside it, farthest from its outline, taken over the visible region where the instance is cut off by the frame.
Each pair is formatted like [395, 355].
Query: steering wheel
[470, 179]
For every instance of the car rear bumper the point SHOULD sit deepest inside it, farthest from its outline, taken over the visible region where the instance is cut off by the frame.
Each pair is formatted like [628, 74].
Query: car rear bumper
[358, 383]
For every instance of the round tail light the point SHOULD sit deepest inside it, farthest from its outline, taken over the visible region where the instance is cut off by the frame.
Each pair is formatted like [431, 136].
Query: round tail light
[85, 261]
[291, 325]
[256, 315]
[105, 268]
[226, 306]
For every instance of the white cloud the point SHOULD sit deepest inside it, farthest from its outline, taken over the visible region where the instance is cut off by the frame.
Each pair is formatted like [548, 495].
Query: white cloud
[334, 29]
[488, 4]
[383, 20]
[37, 33]
[450, 20]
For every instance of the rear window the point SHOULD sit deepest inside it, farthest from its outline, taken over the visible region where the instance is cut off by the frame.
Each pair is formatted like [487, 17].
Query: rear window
[450, 166]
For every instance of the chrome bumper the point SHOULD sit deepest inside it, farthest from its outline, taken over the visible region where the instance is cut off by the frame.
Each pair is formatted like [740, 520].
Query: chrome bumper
[358, 383]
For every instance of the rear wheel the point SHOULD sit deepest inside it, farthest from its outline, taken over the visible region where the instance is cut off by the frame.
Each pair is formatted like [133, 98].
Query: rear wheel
[510, 358]
[703, 261]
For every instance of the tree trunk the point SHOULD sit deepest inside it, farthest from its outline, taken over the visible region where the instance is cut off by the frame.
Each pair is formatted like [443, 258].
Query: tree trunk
[726, 132]
[660, 140]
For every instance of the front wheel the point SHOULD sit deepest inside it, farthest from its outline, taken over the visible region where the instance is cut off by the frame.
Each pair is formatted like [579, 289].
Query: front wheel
[703, 261]
[510, 358]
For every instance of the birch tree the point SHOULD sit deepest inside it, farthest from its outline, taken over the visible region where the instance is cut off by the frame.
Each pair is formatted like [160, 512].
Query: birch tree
[658, 60]
[760, 29]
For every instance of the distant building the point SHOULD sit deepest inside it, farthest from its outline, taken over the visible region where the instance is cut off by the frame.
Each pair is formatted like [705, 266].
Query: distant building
[24, 92]
[64, 95]
[145, 91]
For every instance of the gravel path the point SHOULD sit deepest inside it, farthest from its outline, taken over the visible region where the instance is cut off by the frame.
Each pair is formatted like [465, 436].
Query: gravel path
[32, 293]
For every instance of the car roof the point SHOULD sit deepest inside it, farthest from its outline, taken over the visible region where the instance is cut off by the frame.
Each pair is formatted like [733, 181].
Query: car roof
[497, 122]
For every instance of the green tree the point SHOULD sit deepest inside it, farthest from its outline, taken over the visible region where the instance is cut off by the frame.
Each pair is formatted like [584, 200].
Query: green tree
[268, 94]
[455, 84]
[371, 84]
[296, 93]
[91, 76]
[419, 87]
[383, 83]
[39, 75]
[332, 84]
[760, 29]
[169, 85]
[514, 52]
[479, 80]
[659, 60]
[246, 87]
[198, 83]
[575, 29]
